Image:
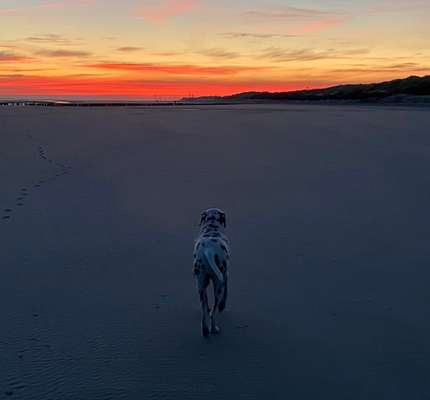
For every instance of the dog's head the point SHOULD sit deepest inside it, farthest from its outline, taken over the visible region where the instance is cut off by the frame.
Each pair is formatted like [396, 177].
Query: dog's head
[213, 216]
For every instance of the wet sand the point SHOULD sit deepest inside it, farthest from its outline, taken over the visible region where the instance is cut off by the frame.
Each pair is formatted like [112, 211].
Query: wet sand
[328, 215]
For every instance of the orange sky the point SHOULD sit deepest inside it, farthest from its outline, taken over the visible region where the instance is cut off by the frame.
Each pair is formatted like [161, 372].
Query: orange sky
[172, 48]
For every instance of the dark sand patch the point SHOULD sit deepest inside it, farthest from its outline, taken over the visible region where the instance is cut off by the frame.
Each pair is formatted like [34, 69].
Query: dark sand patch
[327, 211]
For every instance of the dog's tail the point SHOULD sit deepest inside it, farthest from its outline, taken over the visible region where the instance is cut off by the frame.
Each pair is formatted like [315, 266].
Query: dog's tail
[211, 261]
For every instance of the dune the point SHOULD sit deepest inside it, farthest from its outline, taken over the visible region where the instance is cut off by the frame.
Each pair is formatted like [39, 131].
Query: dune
[328, 217]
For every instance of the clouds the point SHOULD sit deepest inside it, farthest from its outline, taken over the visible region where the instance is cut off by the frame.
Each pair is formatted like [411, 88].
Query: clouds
[9, 57]
[134, 49]
[287, 13]
[50, 38]
[63, 53]
[177, 69]
[308, 54]
[208, 42]
[162, 10]
[241, 35]
[219, 53]
[32, 49]
[302, 20]
[128, 49]
[385, 68]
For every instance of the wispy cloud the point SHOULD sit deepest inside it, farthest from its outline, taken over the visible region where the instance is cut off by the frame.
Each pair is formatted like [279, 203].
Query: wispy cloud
[13, 69]
[288, 13]
[400, 68]
[219, 53]
[310, 20]
[240, 35]
[164, 53]
[177, 69]
[134, 49]
[6, 56]
[161, 10]
[51, 38]
[281, 55]
[63, 53]
[128, 49]
[8, 46]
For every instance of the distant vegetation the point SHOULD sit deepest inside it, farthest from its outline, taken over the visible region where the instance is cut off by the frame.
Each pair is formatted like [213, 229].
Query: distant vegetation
[399, 90]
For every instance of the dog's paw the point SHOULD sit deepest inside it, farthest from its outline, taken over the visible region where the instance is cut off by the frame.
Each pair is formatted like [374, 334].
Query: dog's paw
[215, 329]
[205, 331]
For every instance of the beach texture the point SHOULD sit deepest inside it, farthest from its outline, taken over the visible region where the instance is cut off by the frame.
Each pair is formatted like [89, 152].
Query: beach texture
[329, 220]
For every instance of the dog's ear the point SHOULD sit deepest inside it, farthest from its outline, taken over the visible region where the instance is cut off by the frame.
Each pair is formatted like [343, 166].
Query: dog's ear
[222, 220]
[202, 218]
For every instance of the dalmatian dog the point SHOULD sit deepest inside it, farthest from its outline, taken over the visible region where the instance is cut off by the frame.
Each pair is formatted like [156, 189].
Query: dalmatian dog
[211, 258]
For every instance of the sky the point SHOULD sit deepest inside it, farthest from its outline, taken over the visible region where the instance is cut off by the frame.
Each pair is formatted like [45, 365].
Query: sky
[168, 49]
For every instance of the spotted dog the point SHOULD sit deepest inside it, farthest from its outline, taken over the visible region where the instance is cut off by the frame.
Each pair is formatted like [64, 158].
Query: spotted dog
[211, 258]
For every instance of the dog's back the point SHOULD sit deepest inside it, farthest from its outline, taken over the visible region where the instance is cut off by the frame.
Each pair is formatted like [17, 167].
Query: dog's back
[211, 258]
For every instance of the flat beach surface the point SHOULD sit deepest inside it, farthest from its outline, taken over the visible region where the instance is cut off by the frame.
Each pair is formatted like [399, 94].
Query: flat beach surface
[328, 212]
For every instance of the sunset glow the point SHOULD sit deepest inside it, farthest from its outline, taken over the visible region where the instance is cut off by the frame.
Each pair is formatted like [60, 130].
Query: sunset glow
[173, 48]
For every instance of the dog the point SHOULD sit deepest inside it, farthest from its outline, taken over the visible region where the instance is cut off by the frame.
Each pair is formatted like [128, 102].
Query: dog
[211, 259]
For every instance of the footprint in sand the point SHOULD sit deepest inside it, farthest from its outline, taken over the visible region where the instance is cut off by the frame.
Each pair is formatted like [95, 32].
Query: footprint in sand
[24, 192]
[18, 386]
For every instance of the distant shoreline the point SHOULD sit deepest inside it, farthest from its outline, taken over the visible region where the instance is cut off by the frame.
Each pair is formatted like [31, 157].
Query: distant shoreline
[413, 90]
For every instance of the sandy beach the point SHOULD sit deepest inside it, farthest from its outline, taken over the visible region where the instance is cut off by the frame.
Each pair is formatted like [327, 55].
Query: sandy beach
[328, 213]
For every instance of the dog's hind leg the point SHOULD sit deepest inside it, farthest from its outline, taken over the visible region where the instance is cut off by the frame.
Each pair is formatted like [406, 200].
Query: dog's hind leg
[202, 284]
[223, 301]
[218, 295]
